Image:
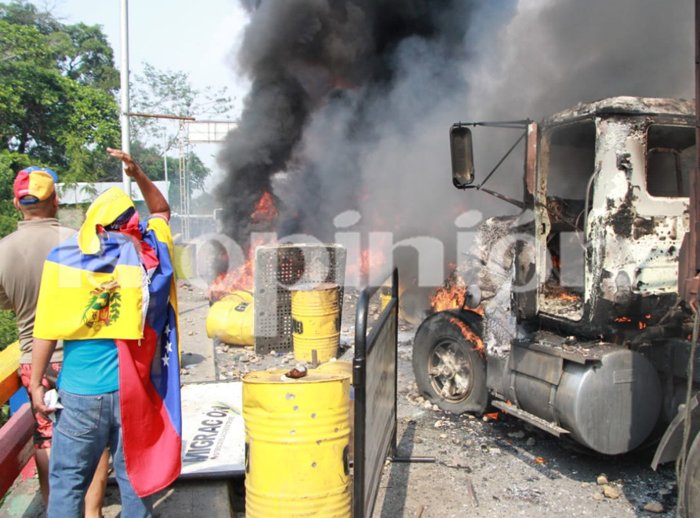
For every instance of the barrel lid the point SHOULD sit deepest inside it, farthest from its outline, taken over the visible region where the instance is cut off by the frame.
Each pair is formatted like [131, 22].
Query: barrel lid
[278, 376]
[310, 286]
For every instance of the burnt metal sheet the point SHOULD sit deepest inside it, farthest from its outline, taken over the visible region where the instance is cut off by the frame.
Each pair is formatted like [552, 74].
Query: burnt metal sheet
[532, 419]
[279, 268]
[672, 440]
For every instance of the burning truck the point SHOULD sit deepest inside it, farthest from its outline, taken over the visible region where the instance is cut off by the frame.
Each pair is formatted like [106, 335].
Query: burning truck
[570, 317]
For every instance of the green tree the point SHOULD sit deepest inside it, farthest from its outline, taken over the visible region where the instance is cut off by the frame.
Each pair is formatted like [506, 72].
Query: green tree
[9, 163]
[170, 93]
[158, 92]
[57, 105]
[56, 92]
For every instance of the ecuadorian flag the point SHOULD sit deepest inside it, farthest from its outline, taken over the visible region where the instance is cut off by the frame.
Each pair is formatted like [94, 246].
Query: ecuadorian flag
[117, 294]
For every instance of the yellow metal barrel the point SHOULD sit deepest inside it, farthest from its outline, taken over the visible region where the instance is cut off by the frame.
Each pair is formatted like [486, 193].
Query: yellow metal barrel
[343, 368]
[384, 299]
[297, 439]
[231, 318]
[315, 322]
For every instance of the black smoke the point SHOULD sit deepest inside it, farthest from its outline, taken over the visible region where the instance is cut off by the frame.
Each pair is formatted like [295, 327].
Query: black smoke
[329, 60]
[351, 100]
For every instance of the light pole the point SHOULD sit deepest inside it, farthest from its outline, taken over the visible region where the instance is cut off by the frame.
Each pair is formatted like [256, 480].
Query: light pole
[124, 82]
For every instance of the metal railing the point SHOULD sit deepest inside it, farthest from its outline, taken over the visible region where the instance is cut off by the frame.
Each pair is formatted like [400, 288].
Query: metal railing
[375, 380]
[16, 434]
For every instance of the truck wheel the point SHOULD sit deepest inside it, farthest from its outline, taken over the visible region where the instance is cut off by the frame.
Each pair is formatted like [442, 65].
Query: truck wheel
[449, 369]
[690, 485]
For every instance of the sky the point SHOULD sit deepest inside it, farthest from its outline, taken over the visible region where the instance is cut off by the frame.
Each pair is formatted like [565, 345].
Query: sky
[174, 35]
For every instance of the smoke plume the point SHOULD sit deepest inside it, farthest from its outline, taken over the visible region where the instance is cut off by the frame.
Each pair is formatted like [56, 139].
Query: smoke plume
[351, 100]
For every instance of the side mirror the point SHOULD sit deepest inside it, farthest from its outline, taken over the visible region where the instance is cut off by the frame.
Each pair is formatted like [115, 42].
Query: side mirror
[472, 298]
[462, 156]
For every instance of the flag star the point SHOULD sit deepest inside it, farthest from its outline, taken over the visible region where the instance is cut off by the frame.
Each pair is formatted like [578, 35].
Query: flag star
[169, 347]
[165, 360]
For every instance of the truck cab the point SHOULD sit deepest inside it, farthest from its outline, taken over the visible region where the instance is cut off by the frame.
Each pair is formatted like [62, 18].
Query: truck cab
[573, 320]
[610, 202]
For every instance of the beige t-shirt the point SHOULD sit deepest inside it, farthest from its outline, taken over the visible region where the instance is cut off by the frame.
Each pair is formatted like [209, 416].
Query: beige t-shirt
[22, 256]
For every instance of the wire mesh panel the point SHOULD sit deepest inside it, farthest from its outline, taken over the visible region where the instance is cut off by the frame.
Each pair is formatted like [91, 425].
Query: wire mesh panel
[278, 270]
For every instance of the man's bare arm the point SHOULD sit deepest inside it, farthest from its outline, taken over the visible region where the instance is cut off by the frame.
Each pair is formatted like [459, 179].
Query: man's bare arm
[41, 355]
[155, 201]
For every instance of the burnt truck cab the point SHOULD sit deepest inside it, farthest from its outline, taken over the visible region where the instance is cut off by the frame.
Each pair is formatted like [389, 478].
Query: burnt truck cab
[579, 329]
[610, 198]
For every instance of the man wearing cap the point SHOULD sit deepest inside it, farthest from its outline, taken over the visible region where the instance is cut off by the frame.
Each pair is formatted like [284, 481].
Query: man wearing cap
[22, 256]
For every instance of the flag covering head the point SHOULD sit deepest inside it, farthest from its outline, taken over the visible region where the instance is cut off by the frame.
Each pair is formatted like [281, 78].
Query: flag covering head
[147, 339]
[104, 211]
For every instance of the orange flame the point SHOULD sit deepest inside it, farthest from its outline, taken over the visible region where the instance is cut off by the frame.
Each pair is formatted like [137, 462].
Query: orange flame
[238, 278]
[570, 297]
[265, 210]
[469, 335]
[451, 294]
[448, 298]
[623, 320]
[241, 277]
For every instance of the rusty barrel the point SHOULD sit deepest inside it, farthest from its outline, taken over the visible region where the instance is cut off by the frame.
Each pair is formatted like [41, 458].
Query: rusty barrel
[297, 445]
[231, 318]
[315, 322]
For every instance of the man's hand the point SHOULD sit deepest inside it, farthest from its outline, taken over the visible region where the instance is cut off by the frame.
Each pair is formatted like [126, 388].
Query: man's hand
[38, 401]
[41, 354]
[155, 201]
[131, 168]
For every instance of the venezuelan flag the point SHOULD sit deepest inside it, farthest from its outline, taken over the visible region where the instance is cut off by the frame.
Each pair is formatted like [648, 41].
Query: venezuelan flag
[149, 378]
[92, 296]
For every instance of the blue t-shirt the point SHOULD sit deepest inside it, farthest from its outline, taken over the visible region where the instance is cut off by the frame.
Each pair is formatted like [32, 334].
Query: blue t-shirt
[89, 367]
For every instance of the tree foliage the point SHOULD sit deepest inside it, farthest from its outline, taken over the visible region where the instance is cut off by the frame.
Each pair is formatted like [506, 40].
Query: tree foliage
[57, 85]
[159, 92]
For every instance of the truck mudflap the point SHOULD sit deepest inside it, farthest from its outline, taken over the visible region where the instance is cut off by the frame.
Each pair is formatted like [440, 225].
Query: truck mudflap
[670, 445]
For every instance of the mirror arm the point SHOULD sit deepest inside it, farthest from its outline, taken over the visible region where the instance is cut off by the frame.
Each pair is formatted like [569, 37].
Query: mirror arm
[503, 197]
[503, 158]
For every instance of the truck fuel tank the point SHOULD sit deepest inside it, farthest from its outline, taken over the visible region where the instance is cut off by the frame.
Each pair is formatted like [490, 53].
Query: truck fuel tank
[610, 403]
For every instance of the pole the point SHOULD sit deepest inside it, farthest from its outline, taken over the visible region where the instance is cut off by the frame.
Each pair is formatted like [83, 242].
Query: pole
[165, 156]
[695, 183]
[124, 84]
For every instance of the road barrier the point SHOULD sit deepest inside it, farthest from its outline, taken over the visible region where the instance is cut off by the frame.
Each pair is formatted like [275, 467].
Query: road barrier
[16, 434]
[375, 381]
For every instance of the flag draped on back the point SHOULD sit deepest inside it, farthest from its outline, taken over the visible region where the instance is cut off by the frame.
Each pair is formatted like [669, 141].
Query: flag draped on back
[103, 295]
[149, 379]
[91, 296]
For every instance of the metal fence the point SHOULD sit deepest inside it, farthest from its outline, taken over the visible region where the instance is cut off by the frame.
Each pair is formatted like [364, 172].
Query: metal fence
[374, 380]
[375, 384]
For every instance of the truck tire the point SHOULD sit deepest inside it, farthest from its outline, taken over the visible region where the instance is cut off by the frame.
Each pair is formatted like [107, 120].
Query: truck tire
[690, 485]
[449, 369]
